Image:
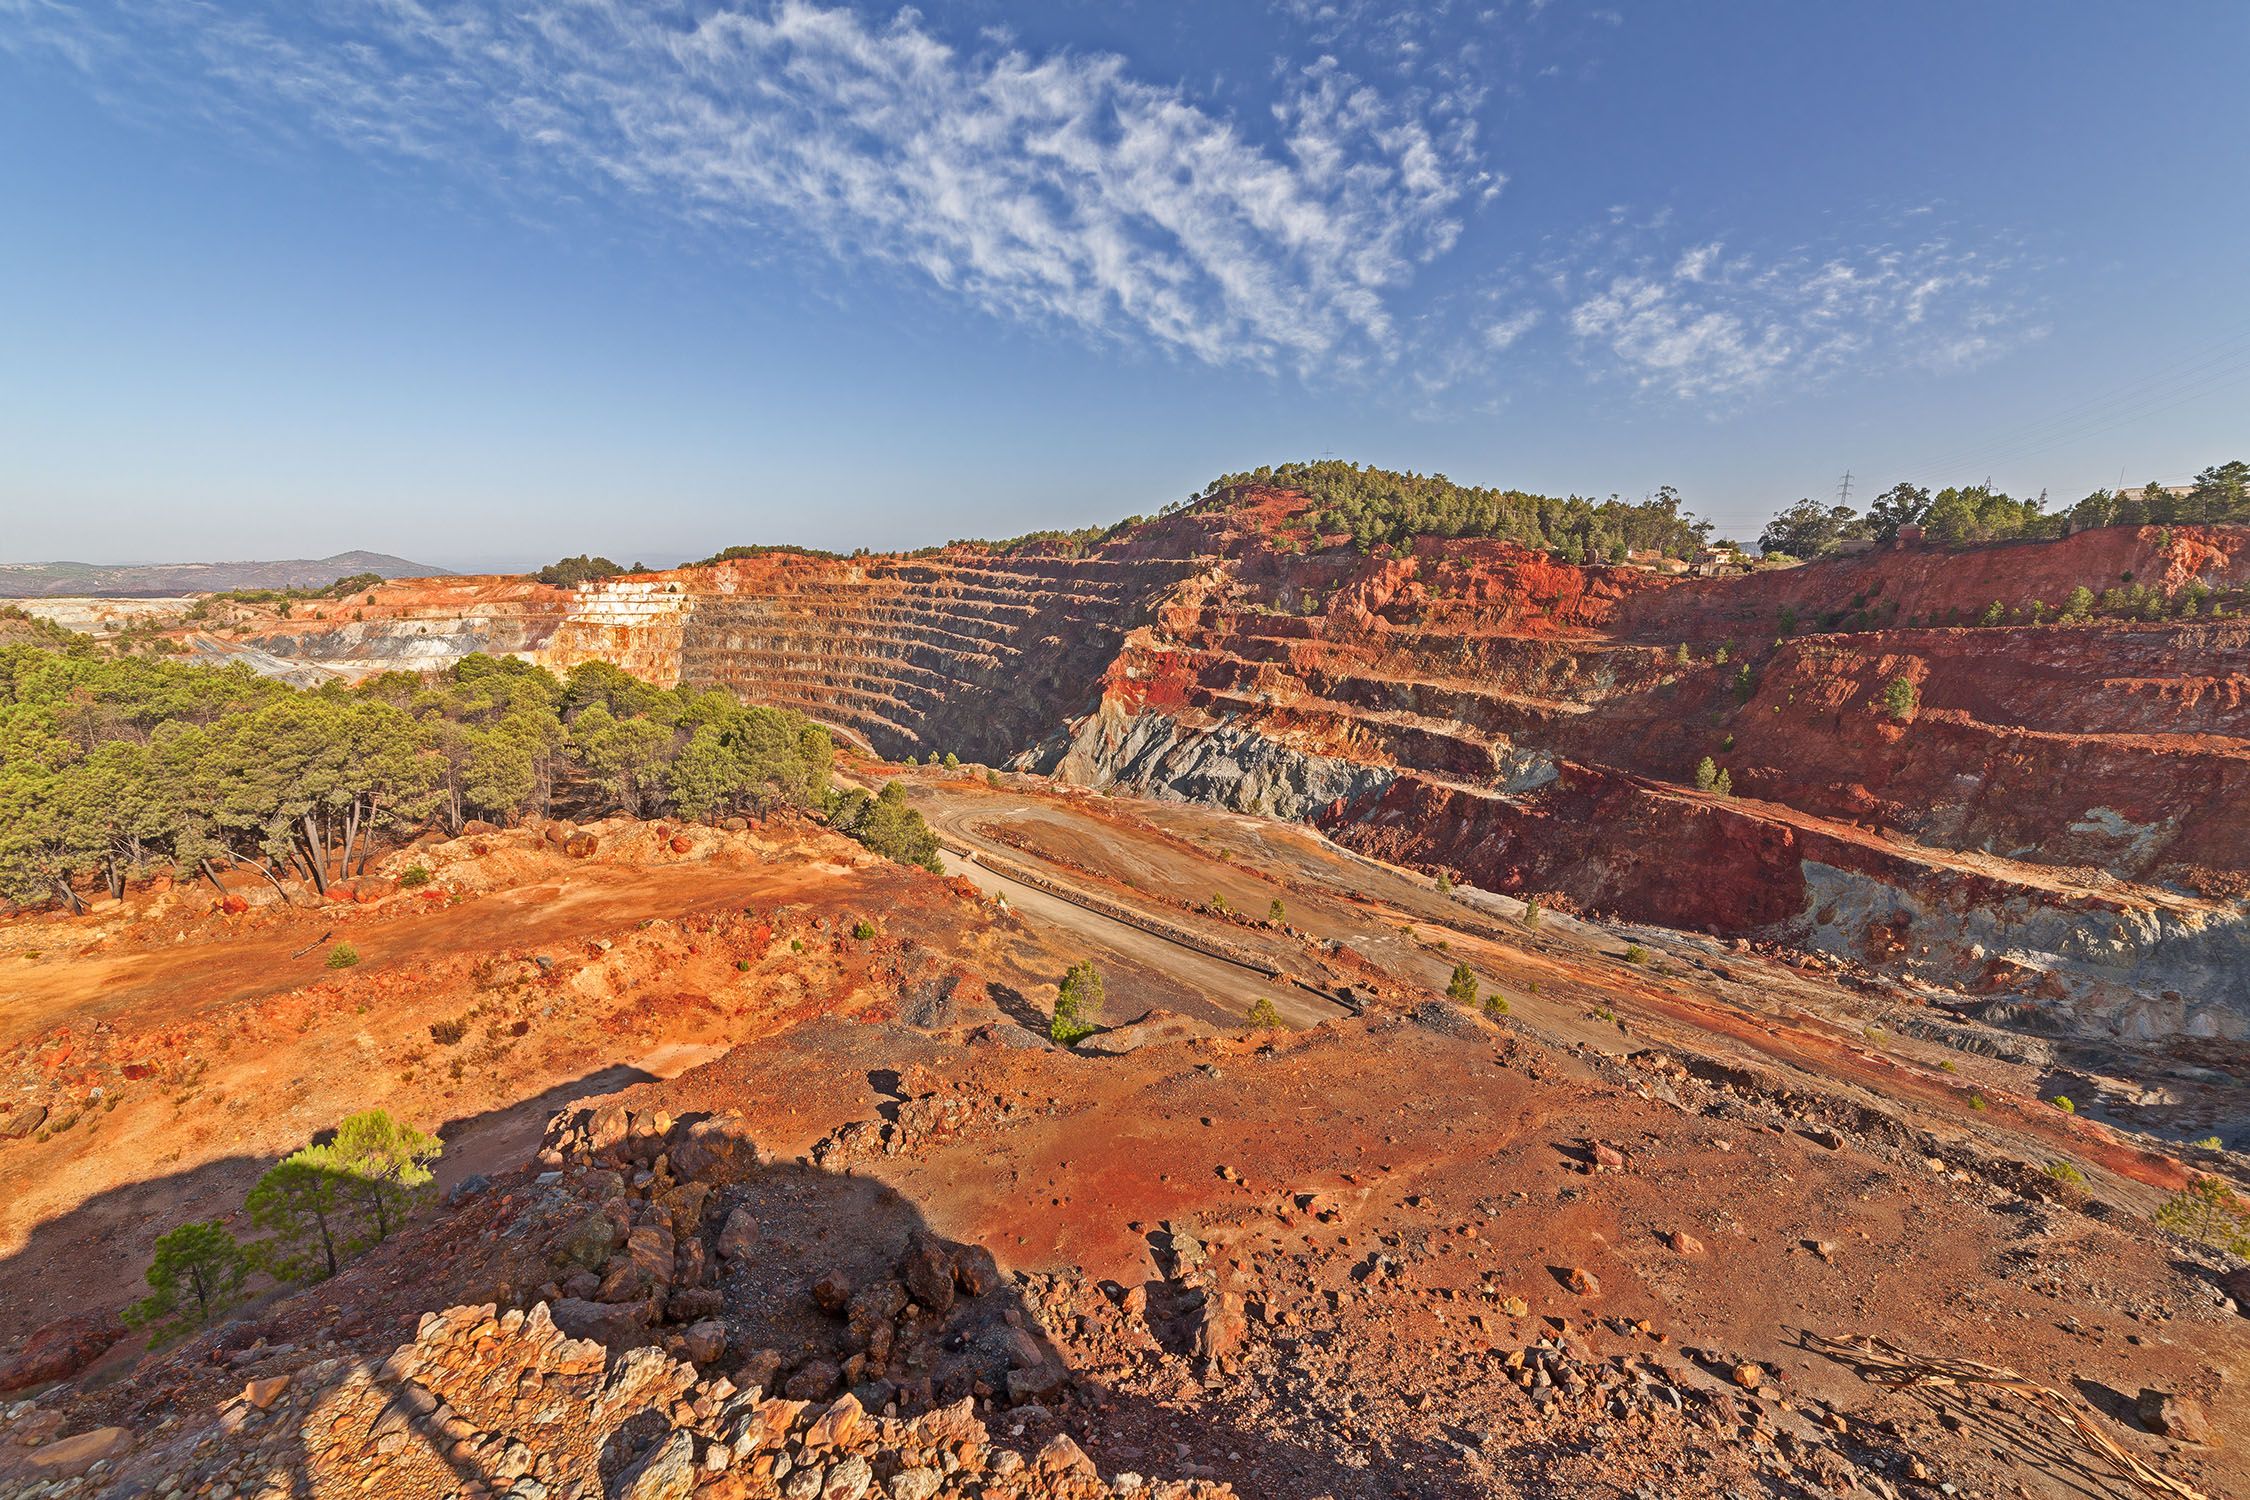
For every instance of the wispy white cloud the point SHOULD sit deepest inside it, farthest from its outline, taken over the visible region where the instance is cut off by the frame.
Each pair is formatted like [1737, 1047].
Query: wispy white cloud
[1715, 324]
[1645, 303]
[1063, 190]
[1501, 332]
[1670, 340]
[1052, 188]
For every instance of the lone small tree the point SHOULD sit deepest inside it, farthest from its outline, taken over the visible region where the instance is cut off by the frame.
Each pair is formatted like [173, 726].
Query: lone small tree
[2208, 1210]
[1901, 698]
[1531, 912]
[302, 1200]
[1263, 1015]
[389, 1165]
[1706, 774]
[2079, 605]
[1461, 989]
[1078, 1004]
[197, 1274]
[1276, 913]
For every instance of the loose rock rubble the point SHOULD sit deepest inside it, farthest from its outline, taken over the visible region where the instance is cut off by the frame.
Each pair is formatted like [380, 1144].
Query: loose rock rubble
[486, 1403]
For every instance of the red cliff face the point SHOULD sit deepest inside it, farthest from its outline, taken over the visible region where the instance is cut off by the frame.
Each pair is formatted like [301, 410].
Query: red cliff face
[2077, 792]
[2075, 795]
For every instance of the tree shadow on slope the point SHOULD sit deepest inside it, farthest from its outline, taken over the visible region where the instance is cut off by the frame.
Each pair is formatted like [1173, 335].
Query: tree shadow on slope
[89, 1261]
[839, 1283]
[904, 1318]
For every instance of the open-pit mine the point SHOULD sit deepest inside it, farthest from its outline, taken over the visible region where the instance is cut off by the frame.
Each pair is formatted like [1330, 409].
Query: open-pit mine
[2060, 822]
[1560, 1030]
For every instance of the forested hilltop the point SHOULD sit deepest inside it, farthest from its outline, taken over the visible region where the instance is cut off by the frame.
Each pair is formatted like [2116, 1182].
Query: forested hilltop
[1363, 506]
[116, 767]
[1372, 507]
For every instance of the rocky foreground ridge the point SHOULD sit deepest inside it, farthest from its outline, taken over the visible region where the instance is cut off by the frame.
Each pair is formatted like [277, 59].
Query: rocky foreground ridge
[2062, 816]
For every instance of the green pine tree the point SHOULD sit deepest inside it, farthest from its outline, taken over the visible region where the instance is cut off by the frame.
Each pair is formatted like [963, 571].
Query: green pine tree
[196, 1275]
[389, 1165]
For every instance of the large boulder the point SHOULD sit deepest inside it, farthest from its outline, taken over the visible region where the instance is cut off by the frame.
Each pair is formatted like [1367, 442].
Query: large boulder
[616, 1325]
[711, 1148]
[665, 1472]
[927, 1270]
[21, 1121]
[58, 1351]
[70, 1457]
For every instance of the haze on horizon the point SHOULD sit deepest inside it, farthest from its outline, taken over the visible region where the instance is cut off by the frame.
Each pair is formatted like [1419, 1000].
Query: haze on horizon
[481, 285]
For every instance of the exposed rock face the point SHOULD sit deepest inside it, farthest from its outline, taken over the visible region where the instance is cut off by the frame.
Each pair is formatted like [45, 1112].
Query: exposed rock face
[58, 1351]
[1532, 728]
[2064, 812]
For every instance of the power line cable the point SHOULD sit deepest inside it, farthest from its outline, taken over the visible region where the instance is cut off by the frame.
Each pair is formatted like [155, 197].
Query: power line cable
[2222, 358]
[2187, 366]
[2153, 405]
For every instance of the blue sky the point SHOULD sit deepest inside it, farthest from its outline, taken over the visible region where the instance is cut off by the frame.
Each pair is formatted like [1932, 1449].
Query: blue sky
[486, 283]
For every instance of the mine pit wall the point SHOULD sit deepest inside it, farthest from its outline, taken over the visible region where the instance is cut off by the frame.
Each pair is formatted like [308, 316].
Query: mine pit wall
[638, 625]
[2141, 973]
[414, 625]
[2124, 748]
[1621, 848]
[972, 653]
[1903, 584]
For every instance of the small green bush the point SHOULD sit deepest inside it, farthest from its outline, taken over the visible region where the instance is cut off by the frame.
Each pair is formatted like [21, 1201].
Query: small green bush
[342, 956]
[1263, 1015]
[863, 929]
[1461, 989]
[1976, 1101]
[449, 1033]
[2062, 1102]
[1531, 912]
[1275, 913]
[413, 877]
[1078, 1004]
[1901, 698]
[1496, 1005]
[2063, 1172]
[1635, 954]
